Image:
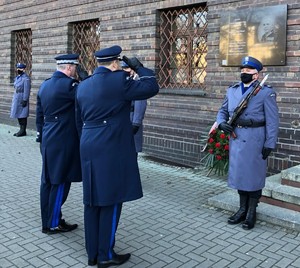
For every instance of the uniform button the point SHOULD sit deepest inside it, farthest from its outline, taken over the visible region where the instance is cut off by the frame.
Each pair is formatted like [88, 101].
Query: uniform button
[55, 117]
[104, 122]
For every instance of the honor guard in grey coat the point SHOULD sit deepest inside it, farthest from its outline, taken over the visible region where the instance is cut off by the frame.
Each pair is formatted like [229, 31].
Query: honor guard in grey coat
[256, 135]
[110, 171]
[138, 109]
[137, 112]
[20, 102]
[57, 132]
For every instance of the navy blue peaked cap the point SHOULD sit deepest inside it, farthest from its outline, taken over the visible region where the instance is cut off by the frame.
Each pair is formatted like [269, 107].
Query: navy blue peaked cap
[20, 65]
[250, 62]
[108, 54]
[67, 59]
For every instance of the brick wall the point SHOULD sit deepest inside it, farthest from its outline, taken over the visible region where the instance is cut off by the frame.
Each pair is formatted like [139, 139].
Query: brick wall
[174, 123]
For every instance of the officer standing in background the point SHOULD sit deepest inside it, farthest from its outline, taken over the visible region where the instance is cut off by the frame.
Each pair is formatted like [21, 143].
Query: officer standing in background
[256, 131]
[57, 132]
[20, 102]
[108, 158]
[137, 113]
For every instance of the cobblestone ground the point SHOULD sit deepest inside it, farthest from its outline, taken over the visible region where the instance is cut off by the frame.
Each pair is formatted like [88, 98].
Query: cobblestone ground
[171, 226]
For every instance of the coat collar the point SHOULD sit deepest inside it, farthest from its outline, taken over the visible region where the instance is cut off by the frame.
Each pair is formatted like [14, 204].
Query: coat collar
[102, 69]
[59, 74]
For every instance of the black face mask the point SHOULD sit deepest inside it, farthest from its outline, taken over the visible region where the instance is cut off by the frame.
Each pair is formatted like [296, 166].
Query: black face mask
[19, 71]
[246, 78]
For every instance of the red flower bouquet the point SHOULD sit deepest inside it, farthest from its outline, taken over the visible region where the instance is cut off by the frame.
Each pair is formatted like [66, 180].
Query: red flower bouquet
[217, 146]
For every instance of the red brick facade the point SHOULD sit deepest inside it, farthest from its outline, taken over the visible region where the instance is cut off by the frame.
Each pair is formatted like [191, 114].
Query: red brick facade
[175, 122]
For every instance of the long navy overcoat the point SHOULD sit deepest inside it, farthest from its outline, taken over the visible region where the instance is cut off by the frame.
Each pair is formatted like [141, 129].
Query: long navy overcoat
[55, 120]
[247, 169]
[22, 87]
[109, 161]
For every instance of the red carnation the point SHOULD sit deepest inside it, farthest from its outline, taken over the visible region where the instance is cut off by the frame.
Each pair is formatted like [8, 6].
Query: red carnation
[226, 147]
[222, 136]
[219, 157]
[211, 151]
[218, 145]
[211, 140]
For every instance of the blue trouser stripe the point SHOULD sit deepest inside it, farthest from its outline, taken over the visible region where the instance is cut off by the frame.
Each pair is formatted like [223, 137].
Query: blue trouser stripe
[113, 231]
[57, 206]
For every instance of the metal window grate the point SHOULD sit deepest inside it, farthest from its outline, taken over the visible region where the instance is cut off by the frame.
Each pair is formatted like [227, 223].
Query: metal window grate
[183, 48]
[23, 49]
[85, 41]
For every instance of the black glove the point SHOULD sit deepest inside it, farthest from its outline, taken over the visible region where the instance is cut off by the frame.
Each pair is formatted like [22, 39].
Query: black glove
[81, 72]
[265, 152]
[135, 129]
[24, 103]
[133, 63]
[38, 137]
[226, 128]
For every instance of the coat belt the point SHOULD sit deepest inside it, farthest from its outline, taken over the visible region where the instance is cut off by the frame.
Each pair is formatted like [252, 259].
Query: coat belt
[97, 123]
[51, 118]
[240, 123]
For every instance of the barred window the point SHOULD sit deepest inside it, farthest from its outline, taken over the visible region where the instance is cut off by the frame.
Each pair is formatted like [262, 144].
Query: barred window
[183, 48]
[85, 40]
[21, 50]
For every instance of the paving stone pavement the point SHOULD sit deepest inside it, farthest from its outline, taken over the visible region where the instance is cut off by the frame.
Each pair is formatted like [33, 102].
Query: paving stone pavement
[171, 226]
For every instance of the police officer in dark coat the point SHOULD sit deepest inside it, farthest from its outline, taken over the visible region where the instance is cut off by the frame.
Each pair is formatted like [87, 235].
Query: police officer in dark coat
[20, 102]
[108, 158]
[57, 132]
[256, 131]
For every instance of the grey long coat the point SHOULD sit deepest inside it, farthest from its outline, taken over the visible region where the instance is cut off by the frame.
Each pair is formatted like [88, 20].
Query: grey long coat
[137, 117]
[22, 87]
[247, 169]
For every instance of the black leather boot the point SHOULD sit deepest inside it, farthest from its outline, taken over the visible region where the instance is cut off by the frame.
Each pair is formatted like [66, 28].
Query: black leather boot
[251, 214]
[23, 125]
[22, 131]
[240, 215]
[17, 133]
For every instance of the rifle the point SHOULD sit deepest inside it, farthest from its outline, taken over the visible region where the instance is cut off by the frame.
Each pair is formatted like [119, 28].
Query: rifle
[243, 104]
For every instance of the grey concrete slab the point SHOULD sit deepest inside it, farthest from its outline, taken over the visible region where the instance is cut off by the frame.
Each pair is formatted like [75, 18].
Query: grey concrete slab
[173, 225]
[284, 193]
[292, 174]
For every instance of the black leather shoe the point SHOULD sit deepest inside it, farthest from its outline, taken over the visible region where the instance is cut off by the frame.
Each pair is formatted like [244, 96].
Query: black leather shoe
[45, 230]
[116, 260]
[62, 228]
[92, 262]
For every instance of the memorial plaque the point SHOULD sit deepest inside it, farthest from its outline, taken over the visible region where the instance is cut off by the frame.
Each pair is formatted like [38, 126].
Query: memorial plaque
[257, 32]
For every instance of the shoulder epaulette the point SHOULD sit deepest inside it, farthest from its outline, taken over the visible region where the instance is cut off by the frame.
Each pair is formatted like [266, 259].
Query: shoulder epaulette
[235, 85]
